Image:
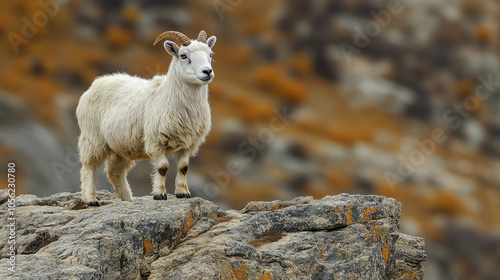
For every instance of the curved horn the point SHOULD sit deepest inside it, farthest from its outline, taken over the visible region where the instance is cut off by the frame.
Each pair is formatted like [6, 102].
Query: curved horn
[202, 37]
[175, 36]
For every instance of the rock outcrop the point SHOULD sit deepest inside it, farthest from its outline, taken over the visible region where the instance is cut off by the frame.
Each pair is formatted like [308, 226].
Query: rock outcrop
[337, 237]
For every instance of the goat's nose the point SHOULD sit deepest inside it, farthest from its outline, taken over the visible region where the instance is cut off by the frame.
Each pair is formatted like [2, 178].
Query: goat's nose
[207, 71]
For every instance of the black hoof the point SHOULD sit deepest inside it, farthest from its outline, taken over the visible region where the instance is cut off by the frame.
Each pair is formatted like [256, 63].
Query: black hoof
[93, 204]
[183, 195]
[160, 197]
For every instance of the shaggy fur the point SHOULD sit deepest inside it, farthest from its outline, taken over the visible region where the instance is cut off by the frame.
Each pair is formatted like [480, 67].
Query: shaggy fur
[123, 119]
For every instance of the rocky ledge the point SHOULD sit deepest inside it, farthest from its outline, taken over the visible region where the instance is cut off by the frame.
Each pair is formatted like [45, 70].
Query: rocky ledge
[337, 237]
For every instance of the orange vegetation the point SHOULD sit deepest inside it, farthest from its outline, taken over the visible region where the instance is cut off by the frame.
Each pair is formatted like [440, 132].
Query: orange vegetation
[241, 195]
[131, 14]
[485, 33]
[345, 133]
[254, 26]
[318, 192]
[465, 87]
[249, 109]
[301, 64]
[273, 78]
[240, 55]
[338, 180]
[118, 37]
[446, 203]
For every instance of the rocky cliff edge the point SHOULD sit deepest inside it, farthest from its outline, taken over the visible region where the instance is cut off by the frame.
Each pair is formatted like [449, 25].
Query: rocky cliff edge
[336, 237]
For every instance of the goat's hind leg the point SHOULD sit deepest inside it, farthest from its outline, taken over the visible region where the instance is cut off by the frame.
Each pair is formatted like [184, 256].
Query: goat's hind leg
[88, 185]
[92, 155]
[117, 168]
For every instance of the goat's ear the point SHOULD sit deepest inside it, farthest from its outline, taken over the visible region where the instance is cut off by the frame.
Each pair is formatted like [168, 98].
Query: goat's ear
[171, 48]
[211, 41]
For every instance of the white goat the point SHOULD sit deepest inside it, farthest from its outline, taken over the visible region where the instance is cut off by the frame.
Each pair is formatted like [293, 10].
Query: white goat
[123, 119]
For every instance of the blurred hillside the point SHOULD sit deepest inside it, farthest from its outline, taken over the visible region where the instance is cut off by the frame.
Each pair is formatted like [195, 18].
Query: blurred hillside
[310, 98]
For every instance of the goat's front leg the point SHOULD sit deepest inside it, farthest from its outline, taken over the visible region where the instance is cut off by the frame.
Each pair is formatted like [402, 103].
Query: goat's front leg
[160, 168]
[181, 186]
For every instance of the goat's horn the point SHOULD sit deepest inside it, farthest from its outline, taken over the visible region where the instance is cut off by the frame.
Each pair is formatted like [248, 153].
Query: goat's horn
[202, 37]
[175, 36]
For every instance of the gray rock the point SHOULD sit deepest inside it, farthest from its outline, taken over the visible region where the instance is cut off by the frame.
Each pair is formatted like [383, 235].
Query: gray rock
[410, 254]
[4, 195]
[275, 204]
[341, 237]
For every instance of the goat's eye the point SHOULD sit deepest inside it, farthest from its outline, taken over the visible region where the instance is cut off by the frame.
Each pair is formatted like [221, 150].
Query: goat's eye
[211, 54]
[183, 56]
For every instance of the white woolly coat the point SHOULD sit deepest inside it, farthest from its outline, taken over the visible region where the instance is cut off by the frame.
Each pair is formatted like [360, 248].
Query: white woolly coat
[139, 119]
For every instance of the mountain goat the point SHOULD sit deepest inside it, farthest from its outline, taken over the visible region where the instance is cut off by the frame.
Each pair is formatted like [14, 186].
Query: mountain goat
[123, 119]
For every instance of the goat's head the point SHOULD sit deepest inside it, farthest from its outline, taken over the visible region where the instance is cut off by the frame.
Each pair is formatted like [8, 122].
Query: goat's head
[192, 58]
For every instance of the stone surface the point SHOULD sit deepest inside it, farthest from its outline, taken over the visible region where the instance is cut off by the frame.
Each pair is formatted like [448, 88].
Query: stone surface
[337, 237]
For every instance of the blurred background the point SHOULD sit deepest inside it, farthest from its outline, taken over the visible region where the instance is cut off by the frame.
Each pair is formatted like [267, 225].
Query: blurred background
[395, 98]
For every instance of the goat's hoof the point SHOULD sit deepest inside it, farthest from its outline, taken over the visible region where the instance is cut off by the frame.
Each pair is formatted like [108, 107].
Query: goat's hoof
[93, 204]
[183, 195]
[160, 197]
